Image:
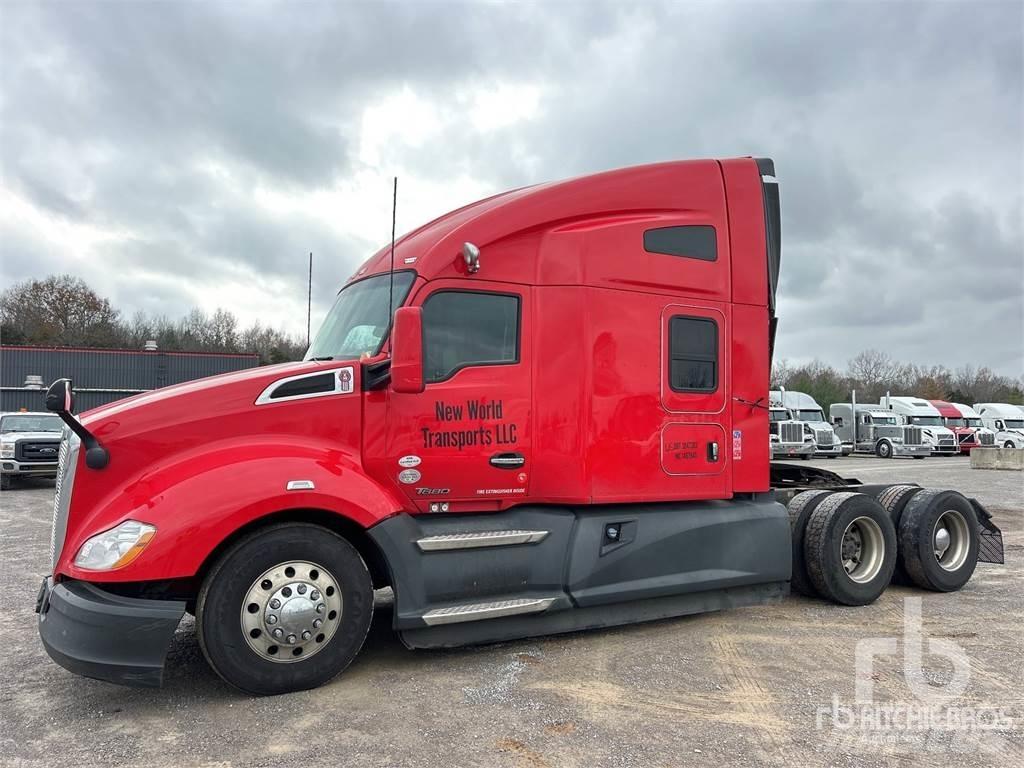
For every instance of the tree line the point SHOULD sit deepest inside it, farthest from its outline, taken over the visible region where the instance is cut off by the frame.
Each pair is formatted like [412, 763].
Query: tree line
[62, 310]
[872, 374]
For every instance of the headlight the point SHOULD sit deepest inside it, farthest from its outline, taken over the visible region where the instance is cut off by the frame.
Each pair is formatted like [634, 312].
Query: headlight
[115, 548]
[897, 439]
[7, 450]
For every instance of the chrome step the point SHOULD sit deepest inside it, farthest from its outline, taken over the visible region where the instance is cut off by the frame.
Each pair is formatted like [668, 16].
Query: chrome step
[477, 611]
[479, 539]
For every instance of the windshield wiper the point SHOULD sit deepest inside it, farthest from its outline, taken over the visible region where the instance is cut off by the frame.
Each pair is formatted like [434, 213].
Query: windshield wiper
[321, 359]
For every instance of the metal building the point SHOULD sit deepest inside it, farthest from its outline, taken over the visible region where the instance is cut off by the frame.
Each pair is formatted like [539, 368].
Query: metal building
[102, 375]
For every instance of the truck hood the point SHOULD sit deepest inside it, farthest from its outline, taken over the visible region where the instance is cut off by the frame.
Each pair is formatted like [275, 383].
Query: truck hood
[10, 437]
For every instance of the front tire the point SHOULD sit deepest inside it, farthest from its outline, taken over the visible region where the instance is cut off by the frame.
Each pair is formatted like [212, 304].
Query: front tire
[5, 482]
[1008, 444]
[883, 450]
[258, 610]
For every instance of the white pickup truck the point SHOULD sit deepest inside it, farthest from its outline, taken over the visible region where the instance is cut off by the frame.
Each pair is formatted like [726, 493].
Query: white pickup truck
[29, 445]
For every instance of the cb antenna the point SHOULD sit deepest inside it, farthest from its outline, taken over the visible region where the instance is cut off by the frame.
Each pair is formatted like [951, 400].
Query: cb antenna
[391, 279]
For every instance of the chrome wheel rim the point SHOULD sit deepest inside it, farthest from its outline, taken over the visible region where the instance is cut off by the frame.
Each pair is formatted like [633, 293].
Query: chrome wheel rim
[862, 550]
[291, 611]
[951, 540]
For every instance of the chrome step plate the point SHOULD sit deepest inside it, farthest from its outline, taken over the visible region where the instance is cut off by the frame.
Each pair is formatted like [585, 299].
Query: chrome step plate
[478, 611]
[479, 539]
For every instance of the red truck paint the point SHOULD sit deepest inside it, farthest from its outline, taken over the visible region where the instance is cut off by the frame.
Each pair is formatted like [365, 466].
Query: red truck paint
[562, 484]
[966, 437]
[201, 460]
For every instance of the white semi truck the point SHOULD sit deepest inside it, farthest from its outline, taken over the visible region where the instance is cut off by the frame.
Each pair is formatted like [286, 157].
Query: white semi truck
[804, 408]
[787, 436]
[867, 428]
[1006, 420]
[920, 413]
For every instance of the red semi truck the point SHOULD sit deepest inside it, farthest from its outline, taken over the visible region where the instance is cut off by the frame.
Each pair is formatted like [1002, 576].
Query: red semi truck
[562, 425]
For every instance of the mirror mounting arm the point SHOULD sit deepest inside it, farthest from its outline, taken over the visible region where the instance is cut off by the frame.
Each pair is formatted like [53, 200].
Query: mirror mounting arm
[60, 400]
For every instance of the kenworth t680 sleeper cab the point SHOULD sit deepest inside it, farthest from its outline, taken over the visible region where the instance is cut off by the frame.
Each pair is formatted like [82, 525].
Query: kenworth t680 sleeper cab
[563, 425]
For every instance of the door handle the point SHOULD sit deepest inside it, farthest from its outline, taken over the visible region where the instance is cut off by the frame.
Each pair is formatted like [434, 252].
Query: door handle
[508, 460]
[712, 452]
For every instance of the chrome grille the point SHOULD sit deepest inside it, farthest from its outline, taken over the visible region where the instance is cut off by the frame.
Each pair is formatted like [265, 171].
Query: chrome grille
[66, 462]
[913, 436]
[987, 439]
[945, 440]
[824, 436]
[791, 433]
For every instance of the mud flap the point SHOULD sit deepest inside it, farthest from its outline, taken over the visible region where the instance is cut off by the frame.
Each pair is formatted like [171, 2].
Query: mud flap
[990, 538]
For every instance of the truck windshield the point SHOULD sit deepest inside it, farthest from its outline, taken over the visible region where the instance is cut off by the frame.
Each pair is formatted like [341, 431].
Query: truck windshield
[358, 322]
[972, 422]
[31, 423]
[775, 416]
[811, 414]
[1014, 423]
[926, 421]
[956, 422]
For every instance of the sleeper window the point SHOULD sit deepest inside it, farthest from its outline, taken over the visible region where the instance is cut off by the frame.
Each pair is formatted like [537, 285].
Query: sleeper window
[693, 354]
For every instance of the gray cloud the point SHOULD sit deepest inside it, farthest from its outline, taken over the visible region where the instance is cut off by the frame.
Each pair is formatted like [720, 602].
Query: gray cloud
[896, 135]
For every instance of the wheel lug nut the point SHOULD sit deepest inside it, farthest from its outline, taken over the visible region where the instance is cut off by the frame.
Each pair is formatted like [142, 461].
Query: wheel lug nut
[314, 595]
[291, 639]
[320, 608]
[278, 632]
[317, 623]
[271, 619]
[306, 634]
[301, 589]
[275, 603]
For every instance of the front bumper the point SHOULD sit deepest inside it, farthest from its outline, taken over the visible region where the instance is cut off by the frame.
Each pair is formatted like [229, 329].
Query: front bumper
[26, 468]
[899, 449]
[782, 450]
[836, 449]
[98, 634]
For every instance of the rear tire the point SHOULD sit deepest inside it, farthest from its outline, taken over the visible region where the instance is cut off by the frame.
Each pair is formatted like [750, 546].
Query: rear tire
[894, 500]
[933, 560]
[883, 449]
[226, 603]
[800, 508]
[850, 548]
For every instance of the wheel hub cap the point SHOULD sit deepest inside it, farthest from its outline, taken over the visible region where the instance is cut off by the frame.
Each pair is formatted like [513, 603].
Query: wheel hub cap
[291, 611]
[951, 540]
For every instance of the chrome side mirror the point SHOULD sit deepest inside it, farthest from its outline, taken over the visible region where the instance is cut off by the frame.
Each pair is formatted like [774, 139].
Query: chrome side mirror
[472, 256]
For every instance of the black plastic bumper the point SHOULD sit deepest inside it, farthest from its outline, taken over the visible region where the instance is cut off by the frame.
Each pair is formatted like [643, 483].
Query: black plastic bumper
[105, 636]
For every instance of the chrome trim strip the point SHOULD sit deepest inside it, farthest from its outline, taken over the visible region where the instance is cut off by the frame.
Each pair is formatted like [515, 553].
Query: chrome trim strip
[479, 539]
[478, 611]
[766, 179]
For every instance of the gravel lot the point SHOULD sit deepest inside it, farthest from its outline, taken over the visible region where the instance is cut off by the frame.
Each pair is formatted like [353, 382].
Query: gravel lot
[734, 688]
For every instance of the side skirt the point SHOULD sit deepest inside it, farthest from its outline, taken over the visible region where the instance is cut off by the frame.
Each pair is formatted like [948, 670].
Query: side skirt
[594, 617]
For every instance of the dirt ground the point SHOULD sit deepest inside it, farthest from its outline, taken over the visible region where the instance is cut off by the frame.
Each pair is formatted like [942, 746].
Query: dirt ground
[753, 686]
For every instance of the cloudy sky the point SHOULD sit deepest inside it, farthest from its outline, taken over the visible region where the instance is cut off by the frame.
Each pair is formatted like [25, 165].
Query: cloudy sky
[190, 154]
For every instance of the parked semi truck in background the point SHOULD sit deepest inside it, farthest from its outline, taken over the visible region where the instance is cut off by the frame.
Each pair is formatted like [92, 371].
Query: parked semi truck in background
[805, 408]
[1006, 420]
[787, 435]
[562, 426]
[867, 428]
[965, 424]
[921, 413]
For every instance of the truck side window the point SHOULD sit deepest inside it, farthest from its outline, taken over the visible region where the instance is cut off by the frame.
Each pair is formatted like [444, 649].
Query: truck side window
[462, 328]
[693, 241]
[693, 354]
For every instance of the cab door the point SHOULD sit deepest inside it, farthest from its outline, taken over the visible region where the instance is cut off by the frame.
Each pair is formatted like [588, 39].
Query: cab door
[464, 443]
